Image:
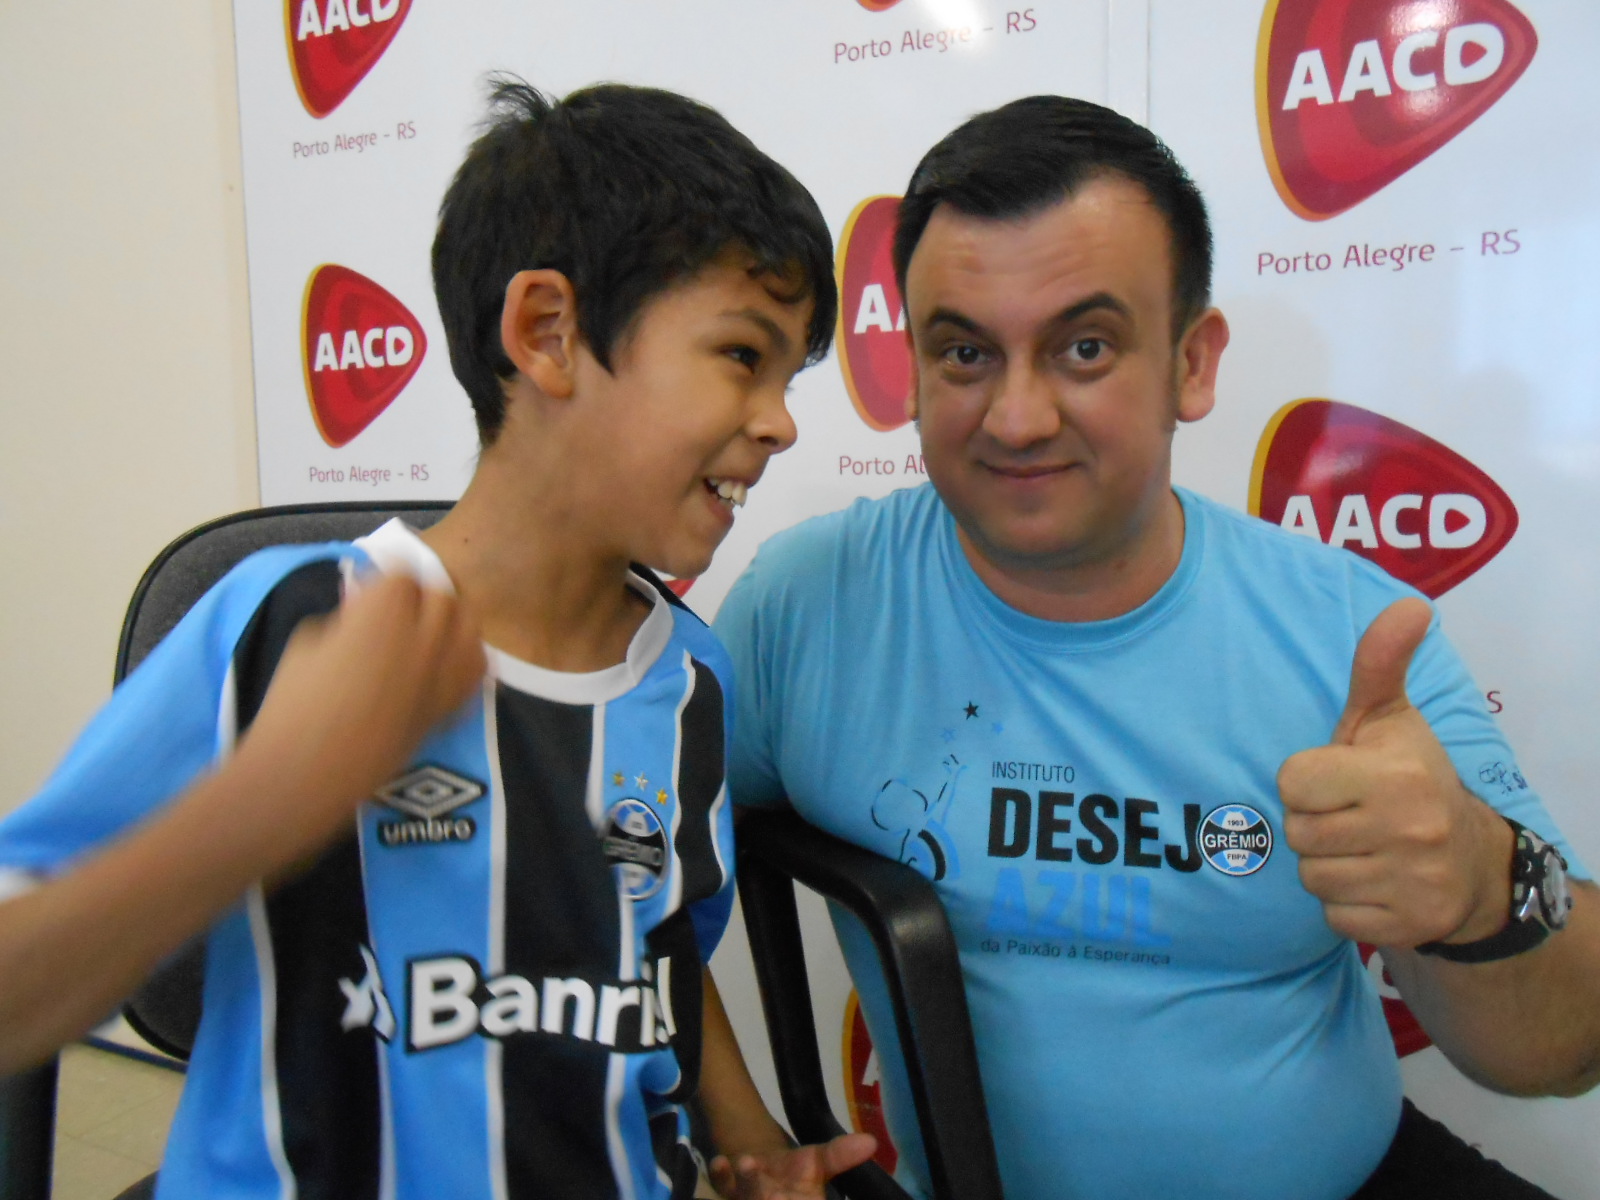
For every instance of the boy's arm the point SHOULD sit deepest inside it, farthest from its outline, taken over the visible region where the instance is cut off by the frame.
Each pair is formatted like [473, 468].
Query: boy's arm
[756, 1159]
[352, 696]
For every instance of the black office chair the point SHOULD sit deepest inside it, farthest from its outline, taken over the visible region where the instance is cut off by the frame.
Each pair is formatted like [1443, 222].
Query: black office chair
[166, 1009]
[917, 951]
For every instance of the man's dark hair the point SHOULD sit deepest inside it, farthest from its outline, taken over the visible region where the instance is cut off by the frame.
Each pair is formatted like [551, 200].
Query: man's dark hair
[1036, 152]
[625, 191]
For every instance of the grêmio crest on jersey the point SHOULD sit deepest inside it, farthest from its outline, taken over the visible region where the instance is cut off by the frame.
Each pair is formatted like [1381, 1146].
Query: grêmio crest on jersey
[635, 843]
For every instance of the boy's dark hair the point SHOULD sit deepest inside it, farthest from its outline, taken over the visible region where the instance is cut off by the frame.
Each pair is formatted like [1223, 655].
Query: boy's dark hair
[625, 191]
[1036, 152]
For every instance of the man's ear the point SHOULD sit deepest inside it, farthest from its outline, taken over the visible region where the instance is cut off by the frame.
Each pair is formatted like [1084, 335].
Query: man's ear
[1198, 355]
[539, 330]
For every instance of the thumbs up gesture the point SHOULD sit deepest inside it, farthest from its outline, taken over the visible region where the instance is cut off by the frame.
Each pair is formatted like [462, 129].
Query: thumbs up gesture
[1391, 842]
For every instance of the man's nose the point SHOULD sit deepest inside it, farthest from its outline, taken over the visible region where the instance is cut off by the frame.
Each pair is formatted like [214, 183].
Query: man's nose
[1022, 411]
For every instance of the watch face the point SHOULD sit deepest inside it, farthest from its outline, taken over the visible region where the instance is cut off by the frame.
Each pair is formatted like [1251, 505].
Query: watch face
[1554, 895]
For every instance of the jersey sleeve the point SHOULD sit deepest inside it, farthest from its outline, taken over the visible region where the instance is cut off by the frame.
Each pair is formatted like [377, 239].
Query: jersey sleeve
[161, 729]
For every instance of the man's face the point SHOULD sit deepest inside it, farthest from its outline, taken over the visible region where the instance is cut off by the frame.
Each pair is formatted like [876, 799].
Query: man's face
[1045, 377]
[695, 402]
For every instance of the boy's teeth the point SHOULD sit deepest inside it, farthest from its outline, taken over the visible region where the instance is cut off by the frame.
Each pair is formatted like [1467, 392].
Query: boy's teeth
[733, 492]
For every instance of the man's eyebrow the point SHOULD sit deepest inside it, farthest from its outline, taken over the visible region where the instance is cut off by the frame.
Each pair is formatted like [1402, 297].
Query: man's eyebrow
[949, 316]
[780, 339]
[1100, 300]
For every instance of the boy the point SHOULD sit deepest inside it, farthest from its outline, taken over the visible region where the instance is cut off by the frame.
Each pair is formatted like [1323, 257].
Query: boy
[505, 1002]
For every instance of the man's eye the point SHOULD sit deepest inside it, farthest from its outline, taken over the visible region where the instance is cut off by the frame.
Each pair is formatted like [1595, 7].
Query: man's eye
[964, 355]
[1088, 350]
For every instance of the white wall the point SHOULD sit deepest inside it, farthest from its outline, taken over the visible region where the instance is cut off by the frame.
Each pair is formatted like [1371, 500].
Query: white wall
[125, 394]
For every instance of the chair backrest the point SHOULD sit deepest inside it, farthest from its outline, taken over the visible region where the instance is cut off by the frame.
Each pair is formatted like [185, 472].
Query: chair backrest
[192, 563]
[166, 1009]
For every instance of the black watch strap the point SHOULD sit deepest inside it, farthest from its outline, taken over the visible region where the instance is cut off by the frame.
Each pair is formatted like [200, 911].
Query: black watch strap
[1526, 926]
[1515, 938]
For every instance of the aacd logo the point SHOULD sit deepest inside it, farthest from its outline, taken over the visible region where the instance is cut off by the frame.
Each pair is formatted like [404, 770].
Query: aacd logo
[334, 43]
[873, 351]
[360, 347]
[1352, 478]
[1351, 94]
[877, 5]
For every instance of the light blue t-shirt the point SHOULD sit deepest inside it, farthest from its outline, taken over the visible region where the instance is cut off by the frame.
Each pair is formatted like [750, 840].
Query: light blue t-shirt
[1160, 1008]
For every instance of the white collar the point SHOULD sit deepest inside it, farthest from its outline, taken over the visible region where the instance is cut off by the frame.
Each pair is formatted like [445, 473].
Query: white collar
[396, 548]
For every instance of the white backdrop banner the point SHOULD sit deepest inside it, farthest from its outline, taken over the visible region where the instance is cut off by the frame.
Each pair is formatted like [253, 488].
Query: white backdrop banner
[1407, 207]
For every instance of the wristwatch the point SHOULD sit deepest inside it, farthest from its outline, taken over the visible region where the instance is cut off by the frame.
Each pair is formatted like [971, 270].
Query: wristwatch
[1540, 901]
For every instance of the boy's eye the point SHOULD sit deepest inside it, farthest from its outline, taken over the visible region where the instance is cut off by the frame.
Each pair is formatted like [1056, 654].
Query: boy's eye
[746, 356]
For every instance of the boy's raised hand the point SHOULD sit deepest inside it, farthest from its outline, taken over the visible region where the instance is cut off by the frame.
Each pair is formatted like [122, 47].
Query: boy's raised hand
[1391, 842]
[353, 695]
[357, 690]
[793, 1174]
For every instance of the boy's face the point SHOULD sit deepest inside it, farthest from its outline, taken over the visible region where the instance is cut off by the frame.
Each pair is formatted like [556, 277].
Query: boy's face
[684, 424]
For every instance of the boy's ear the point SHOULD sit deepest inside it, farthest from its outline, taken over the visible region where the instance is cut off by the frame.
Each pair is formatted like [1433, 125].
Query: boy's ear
[539, 329]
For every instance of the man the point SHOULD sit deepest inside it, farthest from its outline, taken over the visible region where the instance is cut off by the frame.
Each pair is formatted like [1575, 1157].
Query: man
[1166, 763]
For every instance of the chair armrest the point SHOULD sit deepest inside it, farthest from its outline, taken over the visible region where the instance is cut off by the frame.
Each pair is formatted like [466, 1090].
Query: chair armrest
[27, 1133]
[921, 964]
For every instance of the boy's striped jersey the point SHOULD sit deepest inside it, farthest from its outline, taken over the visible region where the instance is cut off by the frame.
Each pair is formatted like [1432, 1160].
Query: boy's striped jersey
[492, 987]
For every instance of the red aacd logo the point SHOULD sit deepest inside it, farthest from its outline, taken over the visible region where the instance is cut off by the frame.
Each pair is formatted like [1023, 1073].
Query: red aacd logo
[360, 347]
[1351, 94]
[873, 352]
[877, 5]
[334, 43]
[1352, 478]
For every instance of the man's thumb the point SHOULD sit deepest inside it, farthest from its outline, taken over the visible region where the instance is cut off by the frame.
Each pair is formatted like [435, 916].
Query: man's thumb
[1383, 656]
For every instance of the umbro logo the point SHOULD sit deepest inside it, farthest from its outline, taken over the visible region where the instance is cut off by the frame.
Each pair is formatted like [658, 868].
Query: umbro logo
[428, 795]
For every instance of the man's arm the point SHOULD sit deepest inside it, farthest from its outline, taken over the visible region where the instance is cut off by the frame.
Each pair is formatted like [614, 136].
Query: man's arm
[1400, 853]
[352, 696]
[756, 1160]
[1527, 1025]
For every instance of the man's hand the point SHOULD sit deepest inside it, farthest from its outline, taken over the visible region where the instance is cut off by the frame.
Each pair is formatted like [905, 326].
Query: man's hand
[789, 1174]
[1391, 842]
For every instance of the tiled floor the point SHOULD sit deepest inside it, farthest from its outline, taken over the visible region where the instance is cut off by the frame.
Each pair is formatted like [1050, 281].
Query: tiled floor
[112, 1116]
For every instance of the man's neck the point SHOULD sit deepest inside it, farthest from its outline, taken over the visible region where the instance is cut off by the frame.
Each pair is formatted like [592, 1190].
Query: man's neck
[539, 591]
[1100, 586]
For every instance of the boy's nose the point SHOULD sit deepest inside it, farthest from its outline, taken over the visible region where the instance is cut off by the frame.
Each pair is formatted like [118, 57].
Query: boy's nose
[771, 423]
